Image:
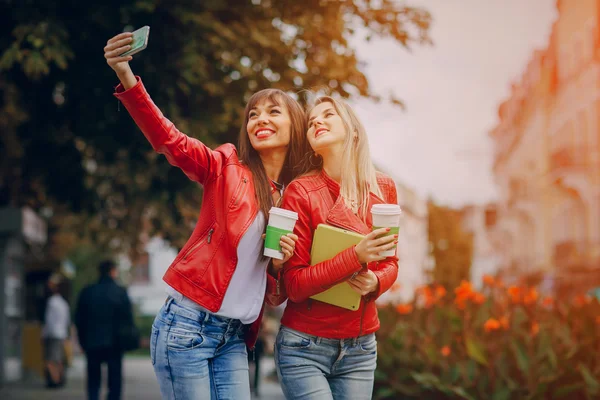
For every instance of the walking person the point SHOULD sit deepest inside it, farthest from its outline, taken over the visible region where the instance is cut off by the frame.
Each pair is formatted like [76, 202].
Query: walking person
[323, 351]
[57, 321]
[102, 314]
[219, 282]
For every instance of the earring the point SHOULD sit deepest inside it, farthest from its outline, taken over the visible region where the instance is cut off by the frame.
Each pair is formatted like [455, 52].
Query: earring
[315, 160]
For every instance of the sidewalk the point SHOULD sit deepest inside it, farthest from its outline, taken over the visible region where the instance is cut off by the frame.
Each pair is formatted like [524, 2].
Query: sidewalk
[139, 384]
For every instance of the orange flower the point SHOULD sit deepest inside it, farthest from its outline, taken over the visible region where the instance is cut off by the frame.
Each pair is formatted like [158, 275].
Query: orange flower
[515, 294]
[395, 287]
[535, 328]
[404, 309]
[461, 303]
[581, 300]
[505, 322]
[445, 351]
[491, 324]
[440, 292]
[548, 301]
[478, 298]
[464, 290]
[489, 280]
[429, 297]
[531, 296]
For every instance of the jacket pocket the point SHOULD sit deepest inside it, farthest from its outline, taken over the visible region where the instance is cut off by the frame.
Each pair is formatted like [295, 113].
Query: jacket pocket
[239, 192]
[206, 238]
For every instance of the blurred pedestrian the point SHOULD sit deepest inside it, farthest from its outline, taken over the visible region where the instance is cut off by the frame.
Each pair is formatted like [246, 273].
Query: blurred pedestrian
[254, 357]
[102, 316]
[57, 320]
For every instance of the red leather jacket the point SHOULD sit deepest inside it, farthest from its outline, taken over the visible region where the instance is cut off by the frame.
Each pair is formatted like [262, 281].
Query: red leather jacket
[204, 266]
[316, 200]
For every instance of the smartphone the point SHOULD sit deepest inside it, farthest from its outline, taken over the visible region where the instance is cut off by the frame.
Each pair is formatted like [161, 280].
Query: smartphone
[140, 41]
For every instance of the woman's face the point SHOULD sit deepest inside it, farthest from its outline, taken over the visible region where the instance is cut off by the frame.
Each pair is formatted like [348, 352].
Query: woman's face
[269, 126]
[325, 128]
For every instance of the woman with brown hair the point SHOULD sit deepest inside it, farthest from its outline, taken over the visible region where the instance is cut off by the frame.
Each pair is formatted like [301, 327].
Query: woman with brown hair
[220, 280]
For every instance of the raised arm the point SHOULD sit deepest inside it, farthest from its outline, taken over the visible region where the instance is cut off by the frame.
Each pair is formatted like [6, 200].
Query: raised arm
[195, 159]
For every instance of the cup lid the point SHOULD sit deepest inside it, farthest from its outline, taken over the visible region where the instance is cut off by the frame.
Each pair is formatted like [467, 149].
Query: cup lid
[386, 209]
[284, 213]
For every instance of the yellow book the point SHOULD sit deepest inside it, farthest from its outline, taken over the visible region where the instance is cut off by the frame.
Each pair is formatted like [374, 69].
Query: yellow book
[328, 241]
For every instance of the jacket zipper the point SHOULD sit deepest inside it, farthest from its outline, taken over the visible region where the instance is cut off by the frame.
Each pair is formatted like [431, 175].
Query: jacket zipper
[195, 246]
[241, 187]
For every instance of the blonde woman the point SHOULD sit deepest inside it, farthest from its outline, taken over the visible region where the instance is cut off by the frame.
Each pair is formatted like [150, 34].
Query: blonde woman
[324, 351]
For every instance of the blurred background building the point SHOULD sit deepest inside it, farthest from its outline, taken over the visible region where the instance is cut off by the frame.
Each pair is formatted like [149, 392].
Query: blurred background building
[547, 159]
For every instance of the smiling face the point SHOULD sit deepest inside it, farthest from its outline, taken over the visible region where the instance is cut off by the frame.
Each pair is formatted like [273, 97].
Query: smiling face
[326, 129]
[268, 125]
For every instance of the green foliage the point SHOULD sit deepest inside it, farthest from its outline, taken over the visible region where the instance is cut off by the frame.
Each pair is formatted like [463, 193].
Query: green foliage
[66, 146]
[512, 345]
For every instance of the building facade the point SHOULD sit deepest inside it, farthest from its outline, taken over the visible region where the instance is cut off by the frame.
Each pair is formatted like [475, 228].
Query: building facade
[547, 156]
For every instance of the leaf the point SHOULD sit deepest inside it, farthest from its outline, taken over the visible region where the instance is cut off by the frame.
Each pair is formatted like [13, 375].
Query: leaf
[502, 394]
[475, 351]
[384, 392]
[426, 379]
[592, 383]
[521, 356]
[567, 390]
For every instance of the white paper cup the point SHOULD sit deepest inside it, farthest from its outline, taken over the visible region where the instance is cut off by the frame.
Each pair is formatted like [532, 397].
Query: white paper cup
[281, 222]
[386, 216]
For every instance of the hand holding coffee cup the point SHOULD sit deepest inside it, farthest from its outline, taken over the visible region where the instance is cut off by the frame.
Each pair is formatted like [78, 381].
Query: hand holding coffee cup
[281, 223]
[372, 247]
[387, 216]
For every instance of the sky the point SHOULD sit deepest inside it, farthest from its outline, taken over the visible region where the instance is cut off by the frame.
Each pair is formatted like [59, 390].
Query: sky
[440, 145]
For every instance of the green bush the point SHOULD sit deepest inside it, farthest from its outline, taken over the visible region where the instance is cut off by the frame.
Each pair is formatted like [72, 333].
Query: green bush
[500, 344]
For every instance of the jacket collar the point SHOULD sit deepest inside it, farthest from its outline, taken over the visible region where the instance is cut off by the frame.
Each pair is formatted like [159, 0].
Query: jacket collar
[340, 215]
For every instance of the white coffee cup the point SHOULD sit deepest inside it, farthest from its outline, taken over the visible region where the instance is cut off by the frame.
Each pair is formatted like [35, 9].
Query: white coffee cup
[281, 222]
[386, 216]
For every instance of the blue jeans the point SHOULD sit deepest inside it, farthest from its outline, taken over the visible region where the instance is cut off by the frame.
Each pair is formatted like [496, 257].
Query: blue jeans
[198, 355]
[315, 368]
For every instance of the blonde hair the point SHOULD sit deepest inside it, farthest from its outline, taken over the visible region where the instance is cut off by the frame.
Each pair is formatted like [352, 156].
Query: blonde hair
[359, 176]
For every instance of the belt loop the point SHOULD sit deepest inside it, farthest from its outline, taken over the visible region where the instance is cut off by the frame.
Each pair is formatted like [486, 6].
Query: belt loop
[168, 303]
[354, 342]
[318, 340]
[206, 316]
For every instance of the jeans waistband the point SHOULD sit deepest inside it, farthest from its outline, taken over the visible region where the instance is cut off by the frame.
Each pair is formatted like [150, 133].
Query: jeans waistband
[333, 342]
[200, 315]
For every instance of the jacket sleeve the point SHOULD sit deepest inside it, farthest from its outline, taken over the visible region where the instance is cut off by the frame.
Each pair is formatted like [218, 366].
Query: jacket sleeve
[386, 270]
[195, 159]
[300, 278]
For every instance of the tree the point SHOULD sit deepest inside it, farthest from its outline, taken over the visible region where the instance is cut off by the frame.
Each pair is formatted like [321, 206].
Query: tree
[68, 150]
[451, 246]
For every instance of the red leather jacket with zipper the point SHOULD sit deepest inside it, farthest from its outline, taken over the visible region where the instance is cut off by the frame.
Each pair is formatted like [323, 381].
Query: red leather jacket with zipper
[317, 201]
[203, 268]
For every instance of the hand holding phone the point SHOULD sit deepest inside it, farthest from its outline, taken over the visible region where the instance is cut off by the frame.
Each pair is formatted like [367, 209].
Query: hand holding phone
[140, 41]
[118, 52]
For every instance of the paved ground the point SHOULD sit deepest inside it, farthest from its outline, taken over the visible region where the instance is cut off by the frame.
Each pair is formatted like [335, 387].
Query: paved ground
[140, 384]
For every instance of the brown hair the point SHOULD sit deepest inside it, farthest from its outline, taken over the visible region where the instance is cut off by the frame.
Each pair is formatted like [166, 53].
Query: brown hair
[298, 147]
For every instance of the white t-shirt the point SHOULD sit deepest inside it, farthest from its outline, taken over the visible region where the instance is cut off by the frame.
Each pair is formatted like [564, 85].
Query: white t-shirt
[57, 318]
[246, 291]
